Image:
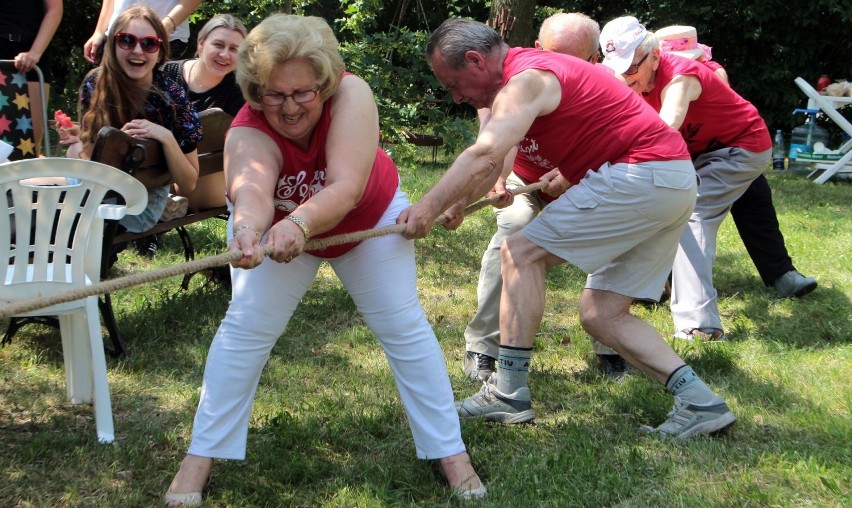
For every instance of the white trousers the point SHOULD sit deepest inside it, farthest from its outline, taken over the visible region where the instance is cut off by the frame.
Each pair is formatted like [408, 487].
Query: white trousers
[380, 277]
[724, 175]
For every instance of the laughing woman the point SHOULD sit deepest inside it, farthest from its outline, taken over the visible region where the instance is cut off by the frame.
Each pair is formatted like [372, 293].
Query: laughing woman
[209, 79]
[302, 160]
[130, 92]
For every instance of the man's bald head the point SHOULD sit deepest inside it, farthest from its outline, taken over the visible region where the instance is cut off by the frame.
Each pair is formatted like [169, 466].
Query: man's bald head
[571, 33]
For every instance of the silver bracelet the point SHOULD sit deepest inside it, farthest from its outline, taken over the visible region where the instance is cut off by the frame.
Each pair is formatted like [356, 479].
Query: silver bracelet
[306, 230]
[247, 226]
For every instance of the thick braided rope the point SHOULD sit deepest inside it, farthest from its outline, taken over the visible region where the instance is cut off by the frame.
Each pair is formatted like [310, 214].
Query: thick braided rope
[196, 265]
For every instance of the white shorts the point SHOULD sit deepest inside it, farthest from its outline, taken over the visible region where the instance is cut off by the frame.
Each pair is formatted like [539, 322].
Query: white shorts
[621, 224]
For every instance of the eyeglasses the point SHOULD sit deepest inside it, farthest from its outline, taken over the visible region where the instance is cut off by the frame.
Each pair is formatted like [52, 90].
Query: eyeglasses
[149, 44]
[299, 97]
[634, 68]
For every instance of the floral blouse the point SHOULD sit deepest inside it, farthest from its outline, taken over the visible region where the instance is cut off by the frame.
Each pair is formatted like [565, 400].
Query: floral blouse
[171, 108]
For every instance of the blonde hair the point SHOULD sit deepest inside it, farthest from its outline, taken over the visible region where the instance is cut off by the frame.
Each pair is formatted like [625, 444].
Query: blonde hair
[220, 21]
[283, 37]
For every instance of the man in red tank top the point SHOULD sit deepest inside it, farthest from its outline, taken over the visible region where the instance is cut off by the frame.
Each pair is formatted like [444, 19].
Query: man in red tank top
[572, 34]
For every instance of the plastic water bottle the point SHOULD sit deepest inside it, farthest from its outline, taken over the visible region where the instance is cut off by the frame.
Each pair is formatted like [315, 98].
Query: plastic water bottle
[802, 139]
[778, 151]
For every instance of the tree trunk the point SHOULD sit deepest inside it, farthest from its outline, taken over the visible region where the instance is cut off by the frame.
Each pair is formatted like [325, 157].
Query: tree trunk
[513, 19]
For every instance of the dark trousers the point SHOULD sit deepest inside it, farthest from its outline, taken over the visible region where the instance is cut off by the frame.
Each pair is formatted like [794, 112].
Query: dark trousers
[754, 216]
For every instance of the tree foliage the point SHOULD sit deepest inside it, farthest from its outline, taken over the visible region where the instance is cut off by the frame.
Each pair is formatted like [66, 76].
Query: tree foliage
[763, 44]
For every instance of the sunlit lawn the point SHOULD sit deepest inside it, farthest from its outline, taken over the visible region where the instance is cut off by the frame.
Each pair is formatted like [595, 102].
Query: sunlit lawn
[328, 429]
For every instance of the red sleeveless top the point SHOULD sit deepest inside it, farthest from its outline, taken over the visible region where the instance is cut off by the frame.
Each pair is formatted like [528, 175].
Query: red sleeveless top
[598, 120]
[303, 174]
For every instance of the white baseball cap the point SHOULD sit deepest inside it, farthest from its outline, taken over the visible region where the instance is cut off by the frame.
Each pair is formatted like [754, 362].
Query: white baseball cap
[619, 40]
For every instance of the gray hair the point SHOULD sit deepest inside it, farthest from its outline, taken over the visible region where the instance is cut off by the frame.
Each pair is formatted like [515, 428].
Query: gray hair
[456, 36]
[648, 44]
[573, 33]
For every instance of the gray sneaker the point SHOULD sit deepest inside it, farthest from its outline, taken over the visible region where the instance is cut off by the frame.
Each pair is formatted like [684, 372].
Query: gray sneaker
[614, 367]
[492, 405]
[794, 283]
[686, 420]
[478, 366]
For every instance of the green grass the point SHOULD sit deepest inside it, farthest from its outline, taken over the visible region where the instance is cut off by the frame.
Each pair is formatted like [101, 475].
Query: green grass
[328, 429]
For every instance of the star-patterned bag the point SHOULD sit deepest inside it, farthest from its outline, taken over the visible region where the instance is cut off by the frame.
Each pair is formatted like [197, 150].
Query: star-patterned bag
[16, 119]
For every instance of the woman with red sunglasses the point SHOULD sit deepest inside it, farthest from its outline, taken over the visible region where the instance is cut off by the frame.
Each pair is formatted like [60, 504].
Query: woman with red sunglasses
[129, 91]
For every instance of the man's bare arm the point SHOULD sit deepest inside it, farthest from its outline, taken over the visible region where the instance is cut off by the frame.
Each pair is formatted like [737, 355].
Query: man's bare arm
[676, 97]
[525, 97]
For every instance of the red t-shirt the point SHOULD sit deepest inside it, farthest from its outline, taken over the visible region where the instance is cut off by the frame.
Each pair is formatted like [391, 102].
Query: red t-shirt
[719, 117]
[598, 120]
[303, 174]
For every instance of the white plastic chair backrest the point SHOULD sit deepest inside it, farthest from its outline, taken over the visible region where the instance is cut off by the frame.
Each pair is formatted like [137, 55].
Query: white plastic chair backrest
[16, 82]
[824, 105]
[58, 228]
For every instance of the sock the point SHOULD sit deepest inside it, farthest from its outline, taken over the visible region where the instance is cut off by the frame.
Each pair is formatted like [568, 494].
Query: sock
[685, 384]
[513, 368]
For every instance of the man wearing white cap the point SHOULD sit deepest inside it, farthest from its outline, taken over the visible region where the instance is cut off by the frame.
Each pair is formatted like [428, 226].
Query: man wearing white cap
[632, 190]
[729, 144]
[753, 213]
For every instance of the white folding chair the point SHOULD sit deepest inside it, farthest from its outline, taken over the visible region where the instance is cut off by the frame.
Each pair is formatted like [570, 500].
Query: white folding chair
[51, 241]
[827, 105]
[18, 111]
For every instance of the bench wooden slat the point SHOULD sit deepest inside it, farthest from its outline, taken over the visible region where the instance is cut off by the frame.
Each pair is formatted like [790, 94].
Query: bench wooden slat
[165, 226]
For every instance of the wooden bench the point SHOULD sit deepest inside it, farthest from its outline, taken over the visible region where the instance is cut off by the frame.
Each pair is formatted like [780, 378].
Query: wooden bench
[144, 159]
[420, 140]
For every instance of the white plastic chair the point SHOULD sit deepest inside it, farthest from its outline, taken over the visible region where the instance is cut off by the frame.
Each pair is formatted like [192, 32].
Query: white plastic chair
[56, 247]
[827, 105]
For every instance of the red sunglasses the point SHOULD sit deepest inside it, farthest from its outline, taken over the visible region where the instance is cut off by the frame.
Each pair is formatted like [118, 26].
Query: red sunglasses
[149, 44]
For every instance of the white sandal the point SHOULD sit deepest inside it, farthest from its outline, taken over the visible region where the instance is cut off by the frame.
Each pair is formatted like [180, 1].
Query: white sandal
[472, 494]
[187, 499]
